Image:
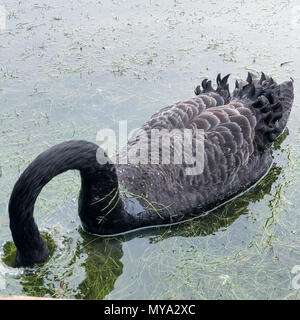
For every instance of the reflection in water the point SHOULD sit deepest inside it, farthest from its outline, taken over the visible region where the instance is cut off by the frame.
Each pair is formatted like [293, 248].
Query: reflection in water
[103, 266]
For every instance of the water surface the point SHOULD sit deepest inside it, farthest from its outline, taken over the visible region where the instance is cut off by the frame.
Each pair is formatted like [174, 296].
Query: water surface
[70, 69]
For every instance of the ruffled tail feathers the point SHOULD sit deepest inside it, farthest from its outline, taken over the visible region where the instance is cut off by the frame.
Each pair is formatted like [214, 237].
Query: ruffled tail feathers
[270, 102]
[251, 88]
[221, 94]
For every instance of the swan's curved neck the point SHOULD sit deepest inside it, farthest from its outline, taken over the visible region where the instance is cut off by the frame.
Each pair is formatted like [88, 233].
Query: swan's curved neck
[79, 155]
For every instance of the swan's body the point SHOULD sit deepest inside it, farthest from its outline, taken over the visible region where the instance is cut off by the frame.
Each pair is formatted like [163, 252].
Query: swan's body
[238, 132]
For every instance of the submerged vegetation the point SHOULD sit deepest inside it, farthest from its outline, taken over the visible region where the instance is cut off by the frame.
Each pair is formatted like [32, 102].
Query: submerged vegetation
[69, 70]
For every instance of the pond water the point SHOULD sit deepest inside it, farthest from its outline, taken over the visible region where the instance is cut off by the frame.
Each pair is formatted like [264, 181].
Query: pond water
[69, 69]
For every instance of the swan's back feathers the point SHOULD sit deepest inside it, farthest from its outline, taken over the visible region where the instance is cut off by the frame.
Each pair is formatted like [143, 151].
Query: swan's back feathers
[259, 107]
[180, 115]
[237, 128]
[183, 114]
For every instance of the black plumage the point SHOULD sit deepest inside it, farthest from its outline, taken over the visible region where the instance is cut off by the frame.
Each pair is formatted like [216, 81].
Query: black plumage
[238, 130]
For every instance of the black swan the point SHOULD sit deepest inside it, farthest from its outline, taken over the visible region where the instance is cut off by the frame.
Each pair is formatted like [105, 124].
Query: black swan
[239, 129]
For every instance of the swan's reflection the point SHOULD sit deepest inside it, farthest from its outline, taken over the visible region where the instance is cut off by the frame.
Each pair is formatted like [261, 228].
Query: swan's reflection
[103, 266]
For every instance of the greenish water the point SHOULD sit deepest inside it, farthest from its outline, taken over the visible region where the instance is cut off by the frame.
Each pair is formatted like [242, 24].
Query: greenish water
[70, 69]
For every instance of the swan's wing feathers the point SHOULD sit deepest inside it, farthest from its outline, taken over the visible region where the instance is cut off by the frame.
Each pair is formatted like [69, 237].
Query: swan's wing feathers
[228, 141]
[180, 115]
[183, 114]
[234, 131]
